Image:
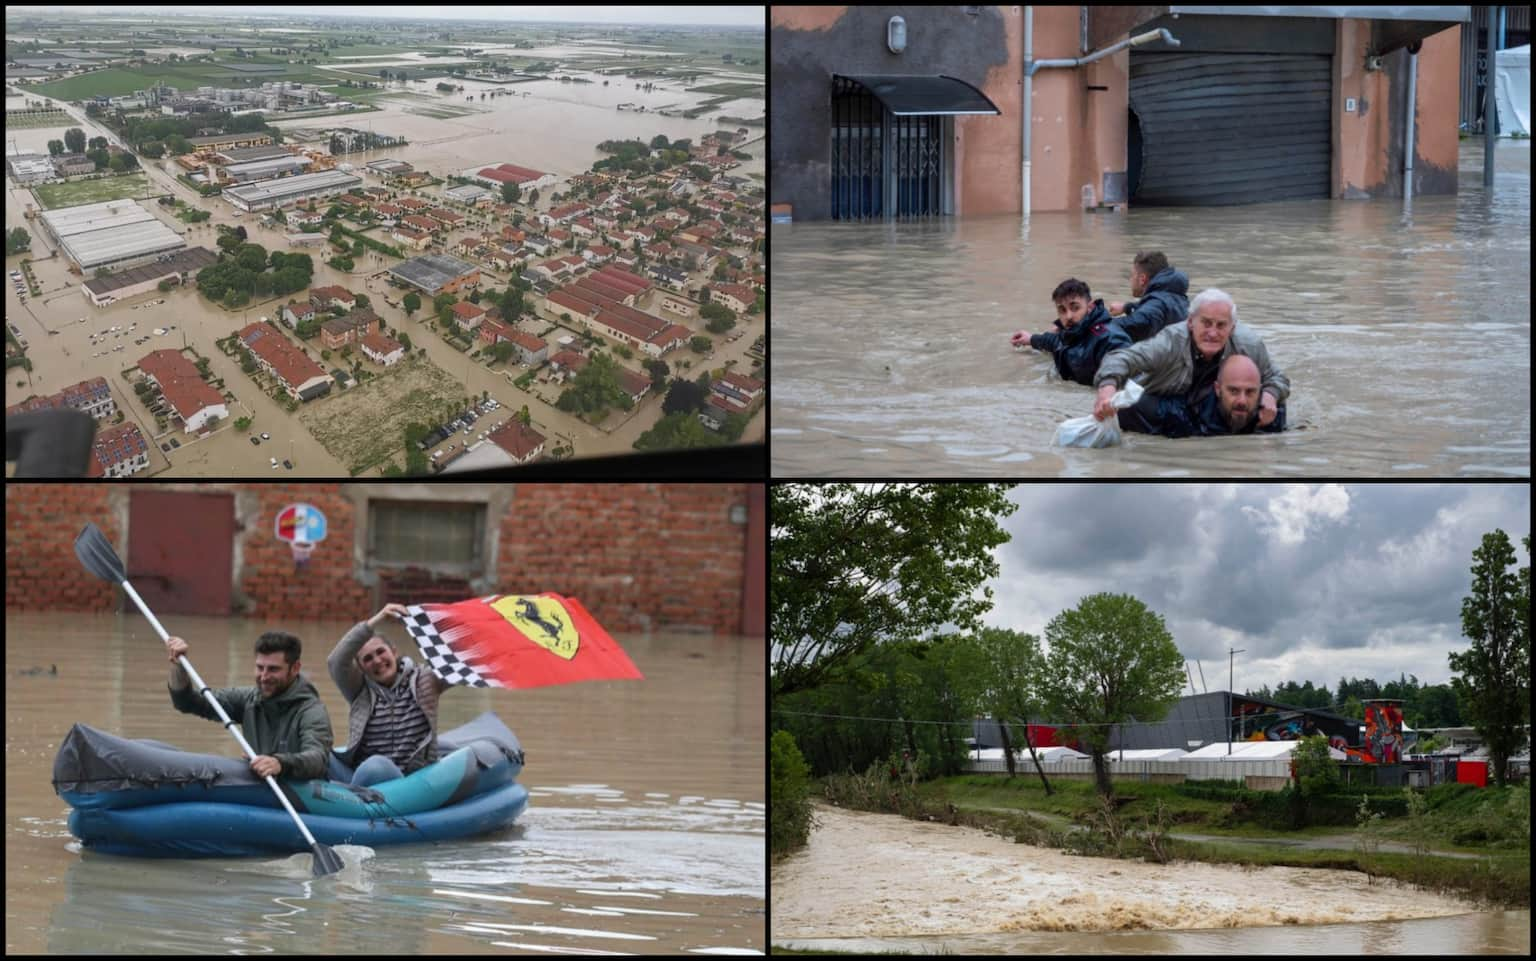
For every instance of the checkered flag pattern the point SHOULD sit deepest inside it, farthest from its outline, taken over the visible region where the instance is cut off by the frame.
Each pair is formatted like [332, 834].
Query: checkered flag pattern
[437, 648]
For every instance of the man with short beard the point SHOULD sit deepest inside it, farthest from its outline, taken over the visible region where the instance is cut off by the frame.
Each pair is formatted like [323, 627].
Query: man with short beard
[392, 719]
[1230, 408]
[283, 718]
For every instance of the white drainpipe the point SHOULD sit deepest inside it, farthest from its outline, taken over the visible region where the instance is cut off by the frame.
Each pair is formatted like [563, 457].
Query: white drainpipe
[1413, 76]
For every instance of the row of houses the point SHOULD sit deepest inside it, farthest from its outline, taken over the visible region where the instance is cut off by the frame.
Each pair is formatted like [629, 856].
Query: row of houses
[192, 399]
[731, 393]
[92, 396]
[299, 376]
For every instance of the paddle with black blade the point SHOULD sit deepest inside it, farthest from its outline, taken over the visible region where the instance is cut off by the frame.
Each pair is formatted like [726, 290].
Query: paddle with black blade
[100, 559]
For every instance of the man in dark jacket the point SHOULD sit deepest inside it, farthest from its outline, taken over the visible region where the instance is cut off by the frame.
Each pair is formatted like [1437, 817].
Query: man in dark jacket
[1164, 294]
[1084, 333]
[283, 718]
[1229, 406]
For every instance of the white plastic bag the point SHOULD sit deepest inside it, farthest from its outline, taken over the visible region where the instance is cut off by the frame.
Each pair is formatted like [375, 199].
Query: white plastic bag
[1089, 431]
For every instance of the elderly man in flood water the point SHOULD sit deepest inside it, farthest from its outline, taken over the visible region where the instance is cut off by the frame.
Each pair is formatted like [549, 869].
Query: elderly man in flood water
[1184, 359]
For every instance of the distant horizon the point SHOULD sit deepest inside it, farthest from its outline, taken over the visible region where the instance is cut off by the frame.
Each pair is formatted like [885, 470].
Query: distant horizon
[739, 17]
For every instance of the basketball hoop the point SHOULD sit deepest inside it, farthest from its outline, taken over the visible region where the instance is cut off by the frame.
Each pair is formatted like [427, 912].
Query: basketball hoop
[303, 527]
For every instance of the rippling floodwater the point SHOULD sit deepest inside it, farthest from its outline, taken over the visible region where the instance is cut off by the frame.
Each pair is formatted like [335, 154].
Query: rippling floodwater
[643, 832]
[875, 882]
[1405, 332]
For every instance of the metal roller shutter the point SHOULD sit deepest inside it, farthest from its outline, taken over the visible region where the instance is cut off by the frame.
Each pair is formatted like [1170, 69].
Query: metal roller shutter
[1230, 128]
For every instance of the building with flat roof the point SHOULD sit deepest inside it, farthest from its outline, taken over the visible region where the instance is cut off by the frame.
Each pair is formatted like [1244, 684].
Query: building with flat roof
[113, 234]
[390, 168]
[221, 141]
[289, 190]
[178, 267]
[29, 168]
[240, 155]
[435, 274]
[468, 194]
[265, 169]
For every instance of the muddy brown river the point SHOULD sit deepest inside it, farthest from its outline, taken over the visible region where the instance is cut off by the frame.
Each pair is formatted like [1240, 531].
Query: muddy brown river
[1405, 332]
[644, 831]
[871, 882]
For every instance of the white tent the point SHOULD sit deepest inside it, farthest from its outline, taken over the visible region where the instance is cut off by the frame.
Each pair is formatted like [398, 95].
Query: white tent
[1252, 751]
[1147, 754]
[1512, 87]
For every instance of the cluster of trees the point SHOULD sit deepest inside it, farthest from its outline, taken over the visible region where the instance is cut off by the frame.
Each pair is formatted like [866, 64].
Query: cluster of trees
[16, 240]
[1424, 705]
[241, 273]
[635, 155]
[720, 318]
[595, 389]
[680, 430]
[172, 133]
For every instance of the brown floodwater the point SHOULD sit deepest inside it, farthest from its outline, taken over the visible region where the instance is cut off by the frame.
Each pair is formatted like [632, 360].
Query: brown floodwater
[1405, 330]
[874, 882]
[643, 833]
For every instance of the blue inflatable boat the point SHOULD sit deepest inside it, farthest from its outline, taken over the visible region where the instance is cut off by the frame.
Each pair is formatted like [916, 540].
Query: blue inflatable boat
[147, 799]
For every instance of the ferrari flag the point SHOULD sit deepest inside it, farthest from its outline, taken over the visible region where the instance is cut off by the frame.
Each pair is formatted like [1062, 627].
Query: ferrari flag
[516, 641]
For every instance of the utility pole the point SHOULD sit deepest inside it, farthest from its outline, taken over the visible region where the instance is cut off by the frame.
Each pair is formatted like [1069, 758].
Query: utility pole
[1231, 653]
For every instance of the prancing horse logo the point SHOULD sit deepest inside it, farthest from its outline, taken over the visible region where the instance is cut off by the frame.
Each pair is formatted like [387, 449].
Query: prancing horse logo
[542, 620]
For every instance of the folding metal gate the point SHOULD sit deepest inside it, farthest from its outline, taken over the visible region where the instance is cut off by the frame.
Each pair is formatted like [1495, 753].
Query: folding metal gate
[883, 164]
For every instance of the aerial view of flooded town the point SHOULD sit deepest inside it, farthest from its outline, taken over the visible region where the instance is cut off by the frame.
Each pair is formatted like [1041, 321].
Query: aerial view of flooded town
[294, 244]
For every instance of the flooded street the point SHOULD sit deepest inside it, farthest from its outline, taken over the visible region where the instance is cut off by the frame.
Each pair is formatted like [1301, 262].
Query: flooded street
[880, 882]
[1404, 330]
[644, 831]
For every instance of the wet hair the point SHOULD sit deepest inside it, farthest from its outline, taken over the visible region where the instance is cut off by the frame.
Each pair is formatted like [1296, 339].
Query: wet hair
[1210, 294]
[1150, 262]
[1071, 287]
[278, 642]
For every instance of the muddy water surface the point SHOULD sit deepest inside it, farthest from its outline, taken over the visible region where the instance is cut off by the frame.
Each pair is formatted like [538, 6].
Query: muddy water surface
[1405, 332]
[643, 833]
[870, 881]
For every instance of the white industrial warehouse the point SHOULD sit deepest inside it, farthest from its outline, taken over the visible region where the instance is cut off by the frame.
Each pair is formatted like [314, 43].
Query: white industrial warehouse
[288, 190]
[113, 234]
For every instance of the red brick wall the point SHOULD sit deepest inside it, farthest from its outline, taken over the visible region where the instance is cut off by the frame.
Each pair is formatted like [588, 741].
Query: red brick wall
[639, 556]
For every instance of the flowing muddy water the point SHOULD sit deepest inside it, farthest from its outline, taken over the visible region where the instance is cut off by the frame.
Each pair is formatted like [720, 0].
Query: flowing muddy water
[643, 832]
[870, 882]
[1405, 332]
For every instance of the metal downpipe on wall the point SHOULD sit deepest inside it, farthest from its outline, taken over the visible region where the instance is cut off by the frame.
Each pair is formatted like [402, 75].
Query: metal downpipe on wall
[1031, 65]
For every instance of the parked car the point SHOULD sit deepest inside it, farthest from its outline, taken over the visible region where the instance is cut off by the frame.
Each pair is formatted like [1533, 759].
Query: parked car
[274, 463]
[255, 441]
[175, 442]
[288, 464]
[265, 436]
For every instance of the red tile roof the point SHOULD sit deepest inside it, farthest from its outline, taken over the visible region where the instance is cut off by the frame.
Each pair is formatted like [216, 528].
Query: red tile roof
[380, 344]
[291, 364]
[516, 439]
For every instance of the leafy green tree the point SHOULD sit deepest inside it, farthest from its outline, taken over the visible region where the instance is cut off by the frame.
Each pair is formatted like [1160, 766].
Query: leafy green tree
[510, 192]
[677, 432]
[74, 139]
[1111, 661]
[16, 240]
[684, 396]
[412, 302]
[1493, 679]
[858, 565]
[1316, 772]
[1011, 692]
[55, 148]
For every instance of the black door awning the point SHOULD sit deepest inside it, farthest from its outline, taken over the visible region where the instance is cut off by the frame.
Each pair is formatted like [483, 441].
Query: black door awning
[925, 96]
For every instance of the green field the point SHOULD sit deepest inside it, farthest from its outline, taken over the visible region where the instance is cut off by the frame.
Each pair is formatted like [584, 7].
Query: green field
[53, 196]
[364, 426]
[731, 89]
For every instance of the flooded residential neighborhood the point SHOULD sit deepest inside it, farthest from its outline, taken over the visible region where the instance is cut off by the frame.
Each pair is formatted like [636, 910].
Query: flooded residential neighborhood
[665, 263]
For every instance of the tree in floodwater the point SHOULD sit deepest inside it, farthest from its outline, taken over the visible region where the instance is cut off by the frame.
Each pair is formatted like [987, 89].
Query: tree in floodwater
[854, 565]
[1493, 680]
[1011, 691]
[1111, 661]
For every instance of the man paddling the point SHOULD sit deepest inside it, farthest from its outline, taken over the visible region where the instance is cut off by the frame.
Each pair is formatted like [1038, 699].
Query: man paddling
[282, 716]
[392, 721]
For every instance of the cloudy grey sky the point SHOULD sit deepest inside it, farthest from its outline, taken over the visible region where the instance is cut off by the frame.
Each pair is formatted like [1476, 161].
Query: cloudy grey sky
[1316, 581]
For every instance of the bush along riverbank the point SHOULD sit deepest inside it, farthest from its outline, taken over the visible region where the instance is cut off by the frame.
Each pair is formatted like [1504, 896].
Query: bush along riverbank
[1454, 839]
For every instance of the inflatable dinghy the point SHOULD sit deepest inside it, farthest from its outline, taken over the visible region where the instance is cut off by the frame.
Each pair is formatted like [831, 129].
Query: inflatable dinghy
[146, 798]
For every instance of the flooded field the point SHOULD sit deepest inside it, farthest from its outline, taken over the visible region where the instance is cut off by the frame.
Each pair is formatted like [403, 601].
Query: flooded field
[876, 881]
[643, 833]
[1392, 321]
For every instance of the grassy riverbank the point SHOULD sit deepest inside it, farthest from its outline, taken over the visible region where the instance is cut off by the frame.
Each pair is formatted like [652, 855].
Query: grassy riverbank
[1147, 817]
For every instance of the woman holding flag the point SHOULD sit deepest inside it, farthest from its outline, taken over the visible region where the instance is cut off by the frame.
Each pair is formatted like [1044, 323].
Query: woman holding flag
[392, 721]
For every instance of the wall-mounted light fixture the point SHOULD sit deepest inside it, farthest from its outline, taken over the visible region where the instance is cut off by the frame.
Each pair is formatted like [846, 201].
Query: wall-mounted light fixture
[896, 34]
